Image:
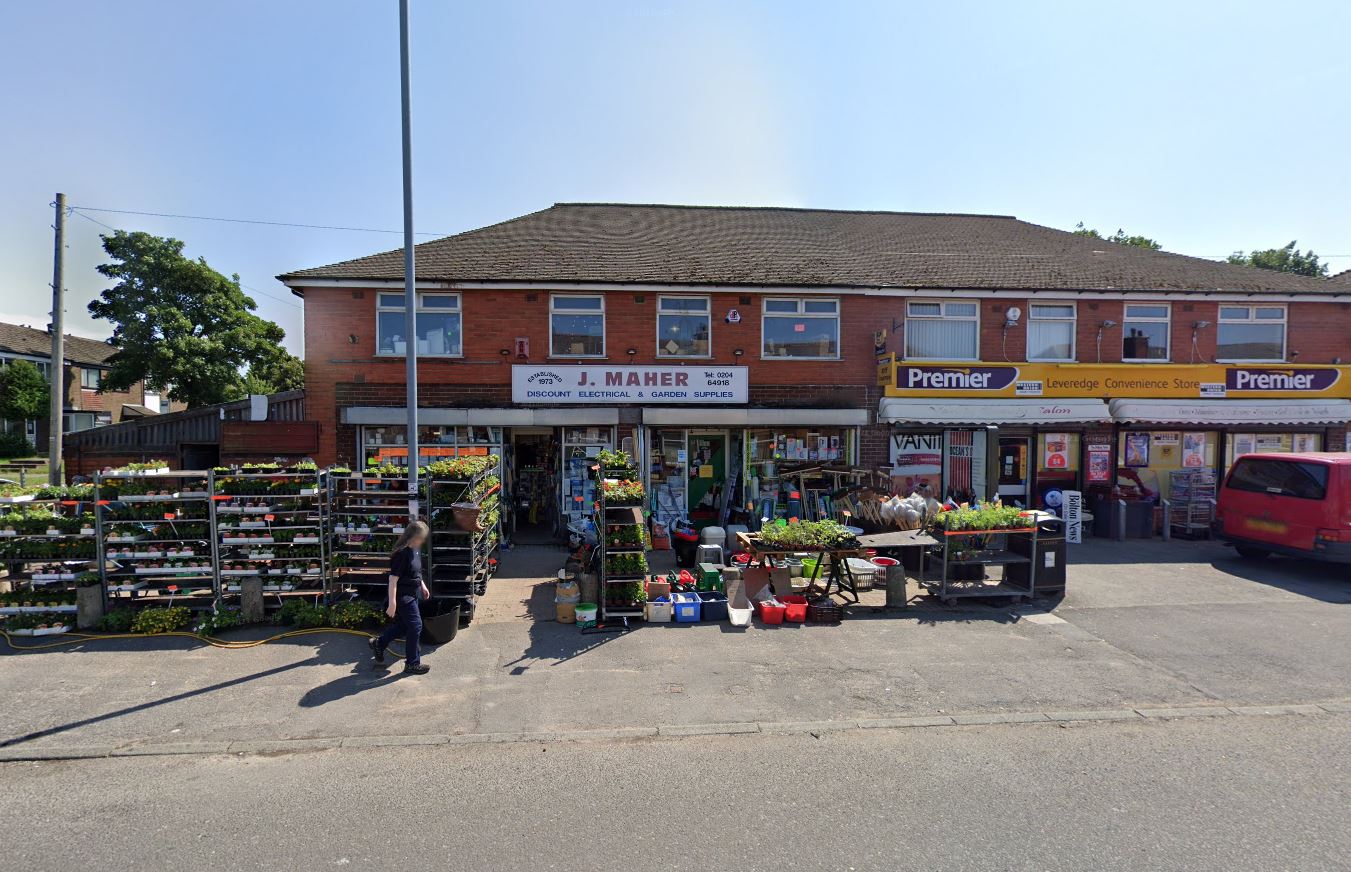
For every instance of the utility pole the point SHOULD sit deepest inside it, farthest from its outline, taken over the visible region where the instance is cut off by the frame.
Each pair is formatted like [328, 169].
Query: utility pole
[57, 369]
[409, 263]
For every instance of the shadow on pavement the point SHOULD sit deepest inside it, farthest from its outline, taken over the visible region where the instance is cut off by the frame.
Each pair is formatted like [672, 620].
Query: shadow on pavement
[1326, 582]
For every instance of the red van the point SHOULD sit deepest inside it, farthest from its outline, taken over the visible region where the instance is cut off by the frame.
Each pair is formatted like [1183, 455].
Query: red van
[1295, 504]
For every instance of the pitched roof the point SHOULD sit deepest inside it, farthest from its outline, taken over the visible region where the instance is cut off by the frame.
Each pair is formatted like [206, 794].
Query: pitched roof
[18, 339]
[1342, 278]
[609, 242]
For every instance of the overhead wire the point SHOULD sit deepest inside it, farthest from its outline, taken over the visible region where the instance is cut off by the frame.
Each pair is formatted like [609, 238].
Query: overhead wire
[249, 221]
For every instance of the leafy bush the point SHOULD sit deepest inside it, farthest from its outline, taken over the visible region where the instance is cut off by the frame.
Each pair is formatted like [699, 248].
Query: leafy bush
[353, 615]
[624, 492]
[808, 536]
[615, 460]
[13, 444]
[161, 620]
[117, 621]
[221, 620]
[980, 518]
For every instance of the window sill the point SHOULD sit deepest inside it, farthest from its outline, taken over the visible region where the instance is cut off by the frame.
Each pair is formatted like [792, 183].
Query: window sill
[684, 357]
[901, 360]
[1249, 360]
[577, 357]
[791, 359]
[390, 355]
[1051, 360]
[1144, 360]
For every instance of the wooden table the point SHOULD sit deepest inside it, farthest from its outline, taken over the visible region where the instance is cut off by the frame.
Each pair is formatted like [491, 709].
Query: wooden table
[840, 574]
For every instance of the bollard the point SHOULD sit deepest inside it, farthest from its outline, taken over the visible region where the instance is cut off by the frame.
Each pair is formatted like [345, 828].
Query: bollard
[251, 600]
[896, 598]
[88, 606]
[1167, 521]
[1121, 520]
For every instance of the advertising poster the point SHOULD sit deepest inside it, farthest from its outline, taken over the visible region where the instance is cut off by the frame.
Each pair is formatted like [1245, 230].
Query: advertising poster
[916, 462]
[1166, 437]
[1057, 451]
[1244, 444]
[1137, 449]
[1099, 463]
[1306, 442]
[1193, 450]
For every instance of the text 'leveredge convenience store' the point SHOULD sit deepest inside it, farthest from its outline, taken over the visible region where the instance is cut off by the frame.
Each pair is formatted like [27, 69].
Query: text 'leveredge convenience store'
[1028, 431]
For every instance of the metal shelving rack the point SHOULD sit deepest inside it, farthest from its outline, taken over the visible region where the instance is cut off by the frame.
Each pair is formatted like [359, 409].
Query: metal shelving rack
[272, 525]
[1191, 501]
[950, 589]
[46, 557]
[608, 518]
[138, 531]
[461, 561]
[368, 513]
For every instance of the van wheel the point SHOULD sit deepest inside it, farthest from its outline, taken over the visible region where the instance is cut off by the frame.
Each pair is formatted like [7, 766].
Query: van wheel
[1248, 552]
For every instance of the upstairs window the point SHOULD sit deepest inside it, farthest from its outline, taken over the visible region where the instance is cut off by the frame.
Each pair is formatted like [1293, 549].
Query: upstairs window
[1250, 333]
[1050, 331]
[438, 325]
[804, 328]
[942, 330]
[684, 327]
[576, 326]
[91, 379]
[1144, 333]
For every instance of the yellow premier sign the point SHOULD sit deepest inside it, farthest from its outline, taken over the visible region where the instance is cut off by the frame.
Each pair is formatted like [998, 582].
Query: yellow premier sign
[1109, 380]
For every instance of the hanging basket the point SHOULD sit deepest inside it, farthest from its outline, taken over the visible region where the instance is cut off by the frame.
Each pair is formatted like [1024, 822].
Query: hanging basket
[467, 516]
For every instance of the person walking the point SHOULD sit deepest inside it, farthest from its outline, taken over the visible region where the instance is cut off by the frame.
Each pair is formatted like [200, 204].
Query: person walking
[406, 588]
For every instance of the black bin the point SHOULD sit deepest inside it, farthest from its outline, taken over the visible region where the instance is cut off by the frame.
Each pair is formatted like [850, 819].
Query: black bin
[440, 628]
[686, 545]
[1049, 558]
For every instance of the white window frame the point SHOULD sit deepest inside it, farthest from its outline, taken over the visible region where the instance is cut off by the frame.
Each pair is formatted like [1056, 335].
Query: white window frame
[1166, 320]
[603, 324]
[942, 316]
[1072, 320]
[98, 378]
[458, 309]
[708, 313]
[1253, 319]
[801, 312]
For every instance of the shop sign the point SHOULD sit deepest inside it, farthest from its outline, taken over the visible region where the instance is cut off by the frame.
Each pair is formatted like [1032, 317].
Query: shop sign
[628, 384]
[1162, 380]
[916, 462]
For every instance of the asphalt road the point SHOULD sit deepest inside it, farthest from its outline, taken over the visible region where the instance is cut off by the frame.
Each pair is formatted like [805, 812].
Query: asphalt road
[1261, 793]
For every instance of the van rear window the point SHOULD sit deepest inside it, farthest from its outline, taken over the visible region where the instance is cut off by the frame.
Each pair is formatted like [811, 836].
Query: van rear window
[1307, 481]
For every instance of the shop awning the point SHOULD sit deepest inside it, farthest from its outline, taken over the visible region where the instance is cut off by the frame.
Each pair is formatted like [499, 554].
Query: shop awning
[906, 410]
[581, 416]
[746, 417]
[1231, 412]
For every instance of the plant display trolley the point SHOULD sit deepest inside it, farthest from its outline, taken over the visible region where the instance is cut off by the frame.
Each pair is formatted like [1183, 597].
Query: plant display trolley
[463, 501]
[970, 541]
[157, 531]
[369, 511]
[830, 543]
[622, 538]
[48, 542]
[271, 524]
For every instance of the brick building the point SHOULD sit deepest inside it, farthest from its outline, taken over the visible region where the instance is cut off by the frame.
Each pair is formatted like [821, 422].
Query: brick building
[87, 404]
[725, 345]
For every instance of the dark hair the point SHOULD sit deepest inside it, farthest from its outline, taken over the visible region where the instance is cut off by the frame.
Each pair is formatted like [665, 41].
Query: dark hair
[416, 528]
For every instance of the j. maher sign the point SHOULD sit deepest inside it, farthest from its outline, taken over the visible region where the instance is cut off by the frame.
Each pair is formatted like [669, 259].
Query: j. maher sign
[1184, 381]
[628, 384]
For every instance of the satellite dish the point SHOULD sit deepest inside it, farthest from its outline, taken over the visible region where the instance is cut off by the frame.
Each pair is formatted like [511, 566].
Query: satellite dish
[1013, 313]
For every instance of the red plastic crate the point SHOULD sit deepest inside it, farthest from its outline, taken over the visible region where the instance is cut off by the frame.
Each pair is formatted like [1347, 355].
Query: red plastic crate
[794, 607]
[770, 614]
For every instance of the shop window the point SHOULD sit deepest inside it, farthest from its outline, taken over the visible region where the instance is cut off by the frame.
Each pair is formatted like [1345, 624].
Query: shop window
[438, 325]
[576, 326]
[800, 328]
[1057, 468]
[1144, 333]
[942, 330]
[1251, 333]
[1050, 332]
[91, 379]
[684, 327]
[389, 443]
[1307, 481]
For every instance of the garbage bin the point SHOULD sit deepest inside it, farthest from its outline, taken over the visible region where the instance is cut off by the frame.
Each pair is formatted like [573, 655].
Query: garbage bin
[1139, 518]
[1049, 558]
[686, 544]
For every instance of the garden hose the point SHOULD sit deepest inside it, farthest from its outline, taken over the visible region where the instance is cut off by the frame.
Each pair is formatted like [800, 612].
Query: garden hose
[71, 638]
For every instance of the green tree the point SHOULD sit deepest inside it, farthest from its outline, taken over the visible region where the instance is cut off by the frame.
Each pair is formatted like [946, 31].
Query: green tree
[1120, 237]
[24, 392]
[1287, 259]
[184, 328]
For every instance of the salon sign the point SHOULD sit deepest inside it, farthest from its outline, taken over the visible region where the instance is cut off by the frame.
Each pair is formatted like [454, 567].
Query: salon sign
[628, 384]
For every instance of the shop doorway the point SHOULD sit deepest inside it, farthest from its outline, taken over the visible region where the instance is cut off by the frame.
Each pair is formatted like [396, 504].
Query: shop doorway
[534, 488]
[1013, 468]
[707, 476]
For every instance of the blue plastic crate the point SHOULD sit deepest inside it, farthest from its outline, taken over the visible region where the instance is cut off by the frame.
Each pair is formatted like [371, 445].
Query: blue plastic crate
[713, 604]
[687, 607]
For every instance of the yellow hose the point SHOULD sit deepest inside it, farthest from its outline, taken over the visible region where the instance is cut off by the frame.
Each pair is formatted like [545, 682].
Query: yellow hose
[71, 638]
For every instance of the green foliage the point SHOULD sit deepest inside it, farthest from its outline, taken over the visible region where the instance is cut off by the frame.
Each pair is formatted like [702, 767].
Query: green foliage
[168, 619]
[38, 620]
[808, 536]
[625, 593]
[461, 468]
[221, 620]
[185, 328]
[981, 518]
[353, 615]
[1286, 259]
[24, 393]
[117, 621]
[624, 492]
[14, 444]
[1120, 237]
[626, 563]
[615, 460]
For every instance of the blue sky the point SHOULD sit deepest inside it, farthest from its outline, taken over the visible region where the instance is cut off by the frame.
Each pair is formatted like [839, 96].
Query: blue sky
[1210, 126]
